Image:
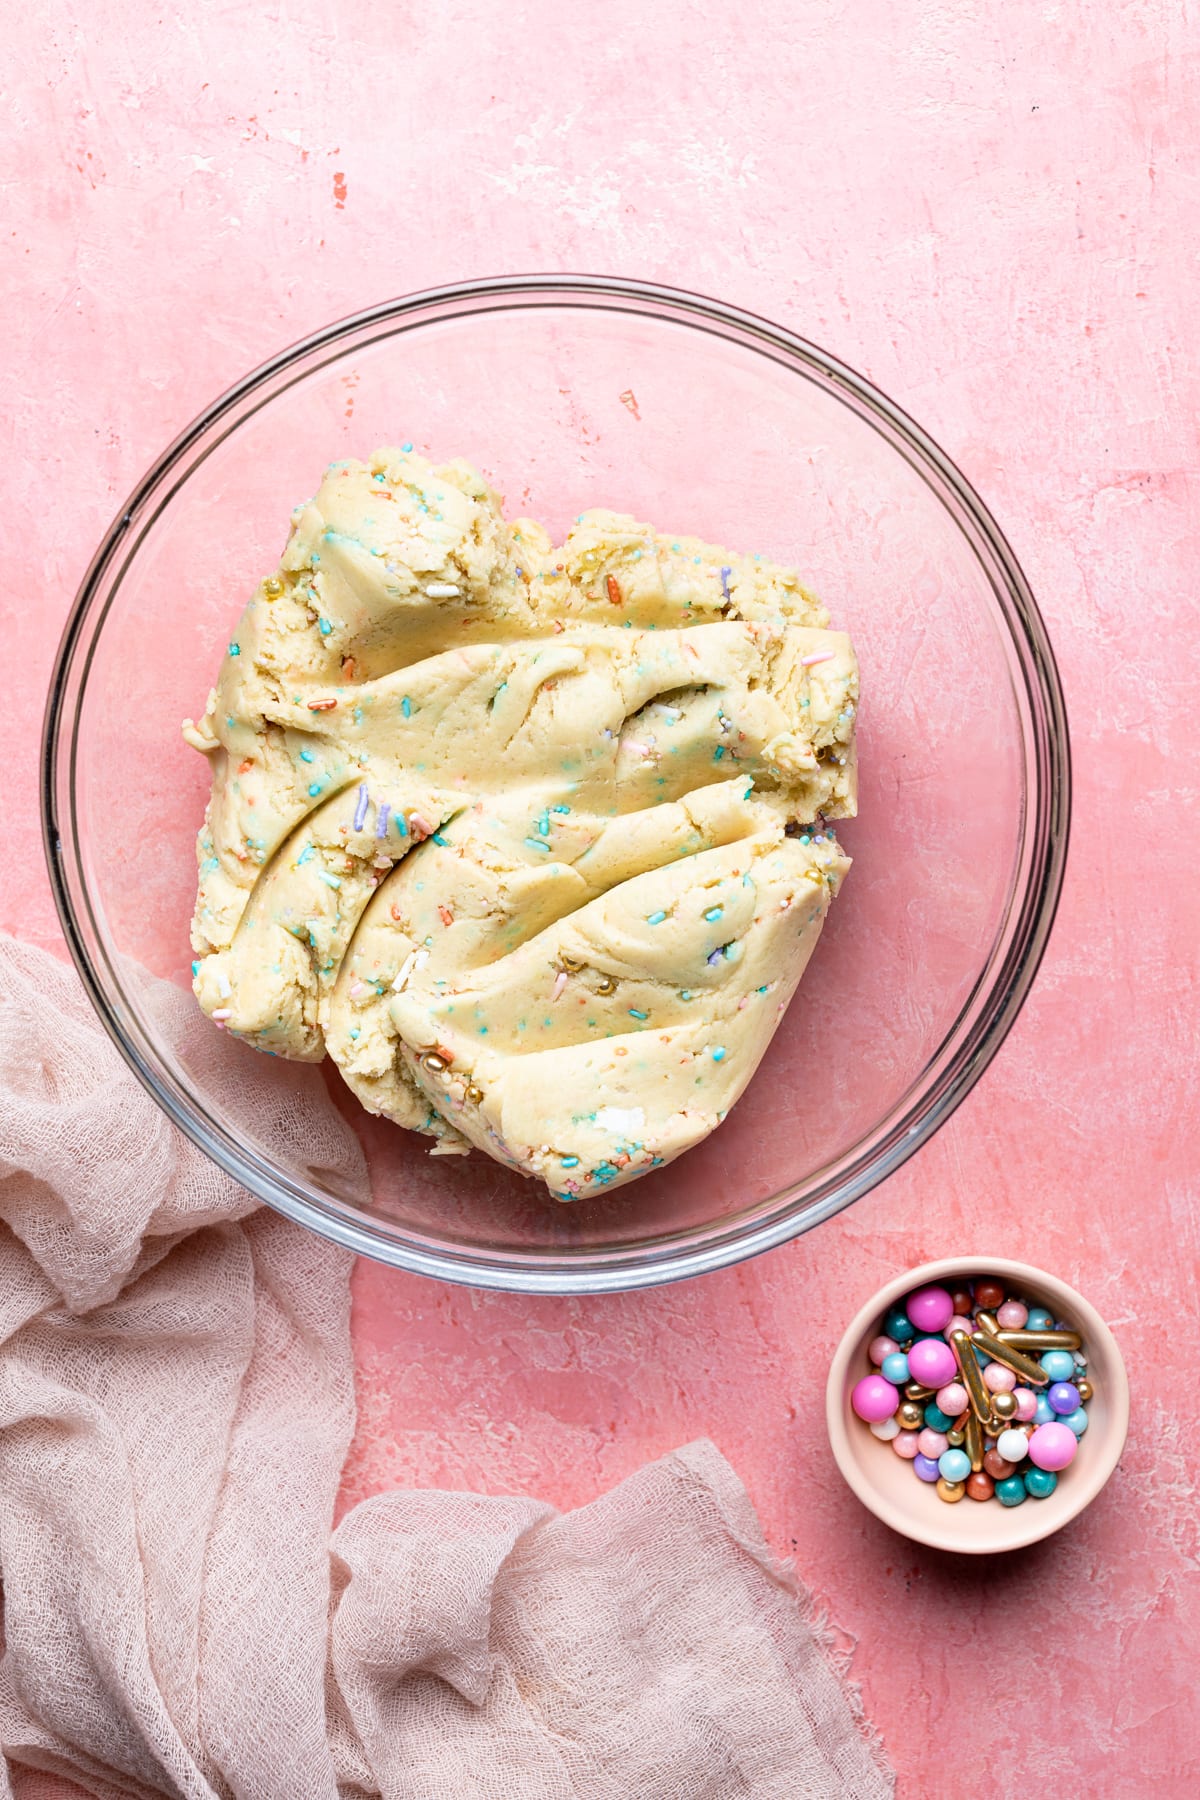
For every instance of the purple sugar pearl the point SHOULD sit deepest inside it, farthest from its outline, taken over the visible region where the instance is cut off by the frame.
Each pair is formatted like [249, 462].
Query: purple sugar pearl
[926, 1468]
[1064, 1397]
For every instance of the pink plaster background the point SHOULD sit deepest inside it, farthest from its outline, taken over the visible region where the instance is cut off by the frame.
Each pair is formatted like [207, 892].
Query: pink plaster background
[991, 211]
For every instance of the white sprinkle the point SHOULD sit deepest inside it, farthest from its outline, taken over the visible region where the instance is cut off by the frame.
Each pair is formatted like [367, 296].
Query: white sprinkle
[820, 656]
[223, 987]
[223, 1012]
[416, 959]
[443, 590]
[560, 982]
[621, 1118]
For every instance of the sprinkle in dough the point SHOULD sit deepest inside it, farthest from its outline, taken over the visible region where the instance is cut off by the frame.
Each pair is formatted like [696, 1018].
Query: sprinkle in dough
[532, 840]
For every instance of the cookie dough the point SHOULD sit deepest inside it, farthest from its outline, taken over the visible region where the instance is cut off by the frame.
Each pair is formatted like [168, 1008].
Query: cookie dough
[533, 840]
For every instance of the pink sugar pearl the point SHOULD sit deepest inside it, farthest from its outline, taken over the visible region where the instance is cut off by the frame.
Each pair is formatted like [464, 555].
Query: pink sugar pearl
[1053, 1446]
[999, 1379]
[1013, 1315]
[933, 1443]
[929, 1309]
[905, 1444]
[958, 1323]
[1026, 1401]
[874, 1399]
[880, 1347]
[932, 1363]
[953, 1399]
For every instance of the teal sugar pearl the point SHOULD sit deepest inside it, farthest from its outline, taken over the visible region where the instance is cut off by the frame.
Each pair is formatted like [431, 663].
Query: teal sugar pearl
[1039, 1319]
[1010, 1491]
[1044, 1413]
[1076, 1421]
[1040, 1483]
[894, 1368]
[936, 1419]
[1058, 1364]
[954, 1465]
[898, 1327]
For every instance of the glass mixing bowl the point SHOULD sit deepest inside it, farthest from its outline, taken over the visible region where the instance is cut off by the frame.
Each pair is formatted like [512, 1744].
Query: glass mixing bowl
[573, 391]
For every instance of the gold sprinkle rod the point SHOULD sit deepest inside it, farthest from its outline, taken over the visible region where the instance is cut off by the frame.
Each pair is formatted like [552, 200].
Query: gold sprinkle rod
[1021, 1365]
[974, 1444]
[981, 1400]
[987, 1321]
[1041, 1340]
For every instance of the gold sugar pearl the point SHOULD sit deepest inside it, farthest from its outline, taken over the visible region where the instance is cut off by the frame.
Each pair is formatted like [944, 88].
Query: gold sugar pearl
[272, 587]
[911, 1415]
[1004, 1406]
[606, 985]
[950, 1491]
[474, 1094]
[434, 1063]
[955, 1438]
[1085, 1389]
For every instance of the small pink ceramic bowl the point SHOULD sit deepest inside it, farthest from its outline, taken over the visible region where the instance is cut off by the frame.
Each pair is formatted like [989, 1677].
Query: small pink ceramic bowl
[887, 1485]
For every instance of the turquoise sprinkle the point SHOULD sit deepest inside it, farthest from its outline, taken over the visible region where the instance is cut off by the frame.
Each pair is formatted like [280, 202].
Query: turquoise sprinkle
[406, 707]
[543, 825]
[762, 990]
[685, 993]
[325, 627]
[718, 1054]
[306, 756]
[656, 918]
[748, 792]
[536, 844]
[560, 809]
[356, 1033]
[438, 839]
[195, 968]
[714, 913]
[401, 824]
[635, 1014]
[235, 649]
[333, 881]
[306, 855]
[210, 863]
[314, 788]
[570, 1162]
[406, 448]
[718, 753]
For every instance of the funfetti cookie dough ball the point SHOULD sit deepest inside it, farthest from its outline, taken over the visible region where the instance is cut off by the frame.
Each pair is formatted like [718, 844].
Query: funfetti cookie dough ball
[534, 841]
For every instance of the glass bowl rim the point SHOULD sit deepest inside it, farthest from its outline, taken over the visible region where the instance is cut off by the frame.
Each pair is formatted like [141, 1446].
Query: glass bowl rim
[962, 1055]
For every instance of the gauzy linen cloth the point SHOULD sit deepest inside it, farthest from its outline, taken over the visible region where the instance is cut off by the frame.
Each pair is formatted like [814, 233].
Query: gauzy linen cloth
[180, 1616]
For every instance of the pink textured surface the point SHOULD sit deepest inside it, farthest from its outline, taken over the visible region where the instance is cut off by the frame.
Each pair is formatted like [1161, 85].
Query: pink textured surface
[987, 210]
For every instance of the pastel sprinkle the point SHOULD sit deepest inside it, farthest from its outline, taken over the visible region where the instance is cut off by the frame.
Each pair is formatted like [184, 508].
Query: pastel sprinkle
[360, 811]
[195, 968]
[325, 627]
[656, 918]
[306, 756]
[635, 1014]
[714, 913]
[570, 1162]
[560, 982]
[439, 839]
[718, 1054]
[406, 448]
[725, 574]
[560, 809]
[406, 707]
[314, 788]
[819, 656]
[234, 650]
[333, 881]
[223, 1012]
[537, 844]
[401, 824]
[381, 823]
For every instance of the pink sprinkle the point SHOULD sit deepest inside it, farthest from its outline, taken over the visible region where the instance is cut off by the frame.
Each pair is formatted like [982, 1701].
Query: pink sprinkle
[222, 1013]
[807, 662]
[356, 990]
[560, 982]
[418, 823]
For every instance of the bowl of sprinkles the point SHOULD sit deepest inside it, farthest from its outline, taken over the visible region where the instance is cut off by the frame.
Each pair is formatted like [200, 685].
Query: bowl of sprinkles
[977, 1404]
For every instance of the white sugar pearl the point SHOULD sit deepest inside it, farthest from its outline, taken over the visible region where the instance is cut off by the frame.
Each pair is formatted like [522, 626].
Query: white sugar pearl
[887, 1429]
[1013, 1446]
